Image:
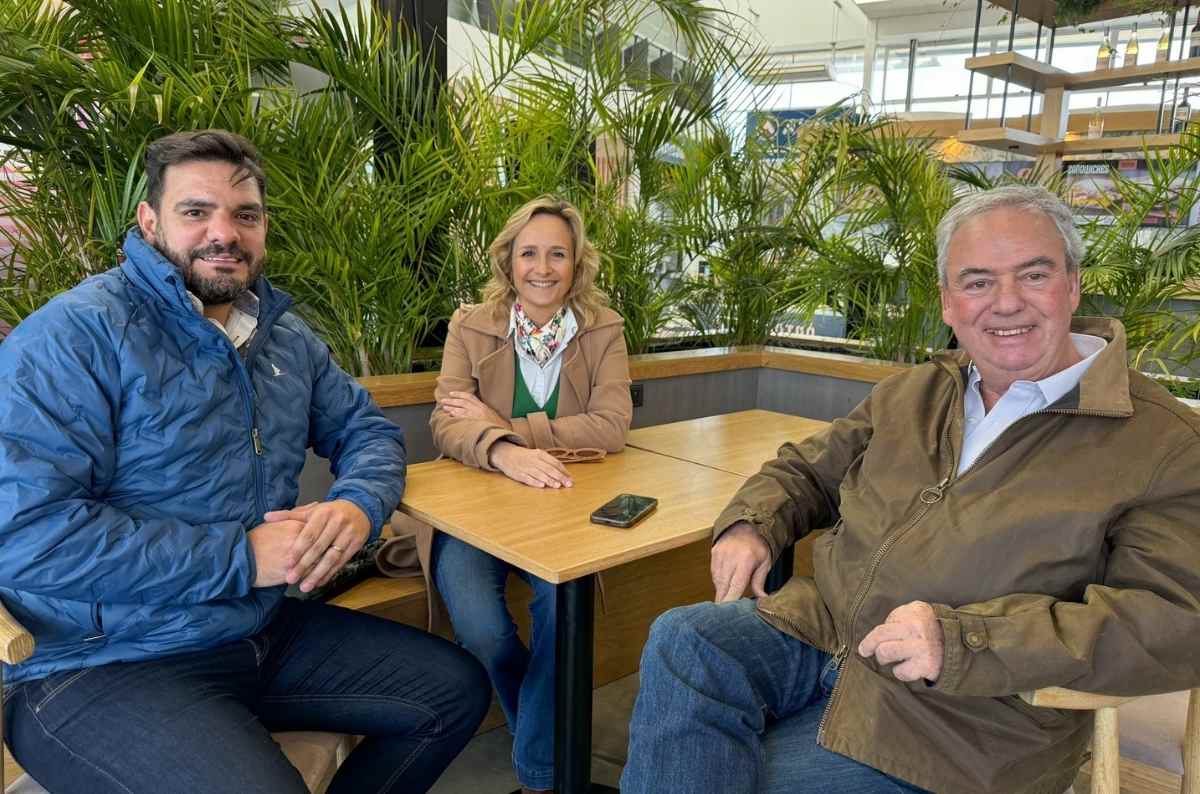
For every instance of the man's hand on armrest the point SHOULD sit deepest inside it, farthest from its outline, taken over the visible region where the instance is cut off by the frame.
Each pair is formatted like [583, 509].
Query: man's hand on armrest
[740, 557]
[910, 638]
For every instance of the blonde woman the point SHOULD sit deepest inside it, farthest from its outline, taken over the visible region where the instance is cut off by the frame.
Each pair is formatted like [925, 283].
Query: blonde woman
[540, 363]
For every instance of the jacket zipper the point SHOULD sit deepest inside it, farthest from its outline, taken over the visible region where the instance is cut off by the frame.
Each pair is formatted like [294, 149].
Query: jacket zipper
[929, 497]
[256, 444]
[266, 321]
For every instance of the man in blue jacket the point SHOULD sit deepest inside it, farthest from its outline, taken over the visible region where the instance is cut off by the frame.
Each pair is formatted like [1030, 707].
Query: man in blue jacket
[153, 424]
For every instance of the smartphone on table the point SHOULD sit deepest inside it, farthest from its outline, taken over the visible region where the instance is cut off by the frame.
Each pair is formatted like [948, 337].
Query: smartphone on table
[624, 510]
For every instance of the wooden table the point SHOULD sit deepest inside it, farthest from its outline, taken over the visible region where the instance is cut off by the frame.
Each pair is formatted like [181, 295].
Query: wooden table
[739, 442]
[549, 534]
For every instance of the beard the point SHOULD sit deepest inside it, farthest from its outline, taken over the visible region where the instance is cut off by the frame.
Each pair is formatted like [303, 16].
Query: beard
[217, 288]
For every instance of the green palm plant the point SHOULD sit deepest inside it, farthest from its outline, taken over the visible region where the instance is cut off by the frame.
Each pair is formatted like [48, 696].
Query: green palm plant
[727, 204]
[79, 97]
[869, 200]
[384, 189]
[1135, 273]
[635, 250]
[585, 126]
[355, 223]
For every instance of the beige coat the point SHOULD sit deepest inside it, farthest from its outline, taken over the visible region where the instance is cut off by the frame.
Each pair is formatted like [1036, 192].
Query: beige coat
[594, 405]
[1067, 555]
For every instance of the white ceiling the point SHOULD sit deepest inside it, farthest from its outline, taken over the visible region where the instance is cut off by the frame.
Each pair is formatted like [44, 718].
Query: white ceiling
[808, 24]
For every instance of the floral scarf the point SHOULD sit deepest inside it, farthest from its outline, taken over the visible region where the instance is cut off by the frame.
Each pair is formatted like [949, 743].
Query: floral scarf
[539, 343]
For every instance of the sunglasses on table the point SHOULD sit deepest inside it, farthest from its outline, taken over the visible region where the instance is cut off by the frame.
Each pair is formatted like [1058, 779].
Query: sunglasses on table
[580, 455]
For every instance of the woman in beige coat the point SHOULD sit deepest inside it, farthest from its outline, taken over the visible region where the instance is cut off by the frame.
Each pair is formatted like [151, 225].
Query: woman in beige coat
[541, 363]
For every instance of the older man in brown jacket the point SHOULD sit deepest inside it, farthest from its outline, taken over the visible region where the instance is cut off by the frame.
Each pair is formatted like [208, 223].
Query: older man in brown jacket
[1017, 514]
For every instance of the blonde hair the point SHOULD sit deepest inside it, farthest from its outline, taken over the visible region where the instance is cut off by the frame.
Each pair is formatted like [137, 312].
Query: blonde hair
[584, 297]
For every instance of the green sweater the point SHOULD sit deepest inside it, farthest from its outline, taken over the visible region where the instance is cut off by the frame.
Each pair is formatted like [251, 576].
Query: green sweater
[523, 402]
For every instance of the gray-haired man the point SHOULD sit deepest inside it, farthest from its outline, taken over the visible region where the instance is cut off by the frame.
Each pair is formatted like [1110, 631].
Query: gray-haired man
[1017, 514]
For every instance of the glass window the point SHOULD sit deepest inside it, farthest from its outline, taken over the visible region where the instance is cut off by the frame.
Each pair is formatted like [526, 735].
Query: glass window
[895, 76]
[847, 71]
[941, 71]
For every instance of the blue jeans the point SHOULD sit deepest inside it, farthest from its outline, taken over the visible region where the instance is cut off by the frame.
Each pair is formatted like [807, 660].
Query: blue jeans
[471, 583]
[202, 721]
[730, 705]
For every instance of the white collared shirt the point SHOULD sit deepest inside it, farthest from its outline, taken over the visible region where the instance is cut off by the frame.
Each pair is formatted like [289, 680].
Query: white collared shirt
[1023, 398]
[541, 380]
[243, 318]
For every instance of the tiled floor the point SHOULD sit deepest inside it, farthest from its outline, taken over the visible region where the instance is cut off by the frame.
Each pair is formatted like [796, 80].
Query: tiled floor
[485, 767]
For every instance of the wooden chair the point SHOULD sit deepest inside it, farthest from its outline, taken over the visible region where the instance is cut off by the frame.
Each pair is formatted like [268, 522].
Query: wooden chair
[315, 755]
[1106, 749]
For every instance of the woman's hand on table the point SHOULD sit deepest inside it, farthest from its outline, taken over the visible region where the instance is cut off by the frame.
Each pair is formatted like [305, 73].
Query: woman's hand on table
[465, 405]
[534, 467]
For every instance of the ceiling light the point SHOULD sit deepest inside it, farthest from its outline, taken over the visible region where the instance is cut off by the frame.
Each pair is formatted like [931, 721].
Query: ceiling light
[793, 72]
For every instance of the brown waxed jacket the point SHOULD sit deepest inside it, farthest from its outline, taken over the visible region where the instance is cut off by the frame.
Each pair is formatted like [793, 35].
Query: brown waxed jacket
[1067, 555]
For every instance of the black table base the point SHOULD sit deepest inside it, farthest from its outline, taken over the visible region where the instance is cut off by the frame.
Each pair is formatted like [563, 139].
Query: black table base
[573, 688]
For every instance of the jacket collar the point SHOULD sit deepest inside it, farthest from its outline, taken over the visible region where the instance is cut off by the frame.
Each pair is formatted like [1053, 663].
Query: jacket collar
[151, 272]
[1104, 388]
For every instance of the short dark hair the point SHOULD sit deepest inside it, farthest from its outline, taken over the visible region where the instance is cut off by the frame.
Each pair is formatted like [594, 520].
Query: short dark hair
[214, 145]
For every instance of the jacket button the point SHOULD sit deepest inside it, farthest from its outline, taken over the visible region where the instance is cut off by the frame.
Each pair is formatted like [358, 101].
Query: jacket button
[974, 639]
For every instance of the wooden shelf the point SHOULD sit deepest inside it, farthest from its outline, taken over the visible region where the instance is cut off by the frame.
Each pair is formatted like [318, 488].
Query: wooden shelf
[1146, 72]
[1124, 143]
[1038, 76]
[1008, 139]
[1044, 11]
[1026, 72]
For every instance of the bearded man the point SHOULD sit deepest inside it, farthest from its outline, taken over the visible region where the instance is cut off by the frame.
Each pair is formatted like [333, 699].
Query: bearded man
[153, 424]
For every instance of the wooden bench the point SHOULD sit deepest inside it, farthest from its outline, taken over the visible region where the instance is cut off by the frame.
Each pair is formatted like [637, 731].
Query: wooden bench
[402, 600]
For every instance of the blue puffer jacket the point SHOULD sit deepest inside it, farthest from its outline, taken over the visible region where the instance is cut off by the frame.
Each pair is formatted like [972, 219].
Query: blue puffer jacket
[128, 468]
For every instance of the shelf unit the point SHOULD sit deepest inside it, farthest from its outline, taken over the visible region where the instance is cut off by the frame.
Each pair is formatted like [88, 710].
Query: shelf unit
[1049, 142]
[1045, 11]
[1040, 77]
[1031, 144]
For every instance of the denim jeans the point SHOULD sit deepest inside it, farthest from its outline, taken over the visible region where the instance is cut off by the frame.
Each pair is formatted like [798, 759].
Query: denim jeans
[471, 582]
[201, 721]
[730, 705]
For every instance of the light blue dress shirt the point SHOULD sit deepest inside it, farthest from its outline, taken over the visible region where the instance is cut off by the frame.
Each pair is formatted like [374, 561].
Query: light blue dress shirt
[1024, 397]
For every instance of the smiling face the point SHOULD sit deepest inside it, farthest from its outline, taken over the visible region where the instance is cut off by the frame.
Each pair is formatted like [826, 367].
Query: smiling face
[543, 266]
[212, 225]
[1009, 297]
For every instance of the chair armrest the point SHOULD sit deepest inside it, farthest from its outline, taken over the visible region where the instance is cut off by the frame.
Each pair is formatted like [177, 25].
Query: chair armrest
[1056, 697]
[16, 644]
[1191, 746]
